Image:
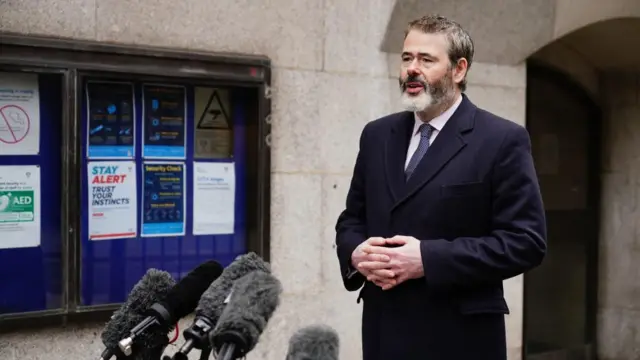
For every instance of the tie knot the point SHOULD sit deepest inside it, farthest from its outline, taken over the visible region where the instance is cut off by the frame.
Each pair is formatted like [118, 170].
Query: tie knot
[425, 130]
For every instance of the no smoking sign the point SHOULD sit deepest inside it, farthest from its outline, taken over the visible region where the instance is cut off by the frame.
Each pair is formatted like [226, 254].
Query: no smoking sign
[14, 124]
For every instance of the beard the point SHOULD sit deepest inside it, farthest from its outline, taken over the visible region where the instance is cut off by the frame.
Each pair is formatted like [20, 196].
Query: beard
[432, 96]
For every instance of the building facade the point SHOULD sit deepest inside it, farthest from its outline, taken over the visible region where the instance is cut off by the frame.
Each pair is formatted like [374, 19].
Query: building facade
[569, 70]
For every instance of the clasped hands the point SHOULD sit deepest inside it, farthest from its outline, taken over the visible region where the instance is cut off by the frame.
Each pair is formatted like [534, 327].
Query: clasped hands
[389, 266]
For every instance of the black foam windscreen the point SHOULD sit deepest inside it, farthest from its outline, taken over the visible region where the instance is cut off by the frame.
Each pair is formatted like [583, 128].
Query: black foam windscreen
[184, 296]
[314, 342]
[151, 288]
[212, 301]
[254, 299]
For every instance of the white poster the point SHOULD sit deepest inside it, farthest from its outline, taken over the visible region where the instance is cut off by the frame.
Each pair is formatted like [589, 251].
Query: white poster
[112, 200]
[19, 206]
[19, 114]
[214, 197]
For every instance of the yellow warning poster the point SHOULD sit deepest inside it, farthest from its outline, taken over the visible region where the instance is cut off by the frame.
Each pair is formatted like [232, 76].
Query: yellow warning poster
[212, 121]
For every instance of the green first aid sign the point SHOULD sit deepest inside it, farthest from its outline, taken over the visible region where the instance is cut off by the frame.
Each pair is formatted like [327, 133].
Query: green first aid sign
[16, 206]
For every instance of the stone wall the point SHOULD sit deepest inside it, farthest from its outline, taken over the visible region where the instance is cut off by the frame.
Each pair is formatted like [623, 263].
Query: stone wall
[619, 273]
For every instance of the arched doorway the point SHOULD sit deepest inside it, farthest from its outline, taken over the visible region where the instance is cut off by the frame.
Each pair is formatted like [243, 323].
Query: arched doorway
[560, 296]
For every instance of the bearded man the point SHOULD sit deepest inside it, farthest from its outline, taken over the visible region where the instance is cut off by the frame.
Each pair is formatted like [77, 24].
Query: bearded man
[444, 205]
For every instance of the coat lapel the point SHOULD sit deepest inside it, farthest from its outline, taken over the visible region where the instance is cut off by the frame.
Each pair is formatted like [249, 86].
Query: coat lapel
[396, 153]
[446, 145]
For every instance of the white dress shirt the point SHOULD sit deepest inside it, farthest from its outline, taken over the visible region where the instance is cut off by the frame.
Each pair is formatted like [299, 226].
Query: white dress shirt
[437, 123]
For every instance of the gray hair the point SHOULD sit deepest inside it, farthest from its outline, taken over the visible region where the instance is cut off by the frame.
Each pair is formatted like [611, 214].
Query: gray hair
[460, 42]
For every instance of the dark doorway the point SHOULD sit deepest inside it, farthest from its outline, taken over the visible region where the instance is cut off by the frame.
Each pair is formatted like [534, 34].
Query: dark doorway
[560, 295]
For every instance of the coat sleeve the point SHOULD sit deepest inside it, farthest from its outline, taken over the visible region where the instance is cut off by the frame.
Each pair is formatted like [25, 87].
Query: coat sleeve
[351, 224]
[517, 242]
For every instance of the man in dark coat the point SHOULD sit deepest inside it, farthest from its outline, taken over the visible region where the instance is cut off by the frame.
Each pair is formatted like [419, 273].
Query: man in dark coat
[444, 205]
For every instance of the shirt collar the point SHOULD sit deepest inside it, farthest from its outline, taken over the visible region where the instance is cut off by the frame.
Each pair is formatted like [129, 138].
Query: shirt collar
[439, 121]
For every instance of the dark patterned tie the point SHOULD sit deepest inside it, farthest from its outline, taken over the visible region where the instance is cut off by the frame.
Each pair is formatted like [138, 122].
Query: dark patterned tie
[425, 134]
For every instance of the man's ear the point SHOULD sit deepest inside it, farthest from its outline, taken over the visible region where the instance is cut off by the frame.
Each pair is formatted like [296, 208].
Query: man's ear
[460, 70]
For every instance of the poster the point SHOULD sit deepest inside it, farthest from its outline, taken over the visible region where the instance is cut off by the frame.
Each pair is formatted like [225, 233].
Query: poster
[111, 120]
[19, 206]
[19, 114]
[213, 130]
[112, 200]
[163, 199]
[214, 197]
[164, 118]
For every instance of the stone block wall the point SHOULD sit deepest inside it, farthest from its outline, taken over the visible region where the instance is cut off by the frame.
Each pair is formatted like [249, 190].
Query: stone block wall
[619, 248]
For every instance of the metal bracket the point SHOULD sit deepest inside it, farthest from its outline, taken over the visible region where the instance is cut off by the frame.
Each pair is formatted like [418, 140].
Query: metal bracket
[267, 92]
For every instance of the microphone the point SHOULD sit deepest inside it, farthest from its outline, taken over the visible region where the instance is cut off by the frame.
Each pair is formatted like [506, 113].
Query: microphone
[213, 302]
[254, 299]
[178, 303]
[314, 342]
[152, 287]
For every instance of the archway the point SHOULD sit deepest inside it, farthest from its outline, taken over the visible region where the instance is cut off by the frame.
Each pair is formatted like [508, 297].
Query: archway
[592, 251]
[560, 296]
[508, 32]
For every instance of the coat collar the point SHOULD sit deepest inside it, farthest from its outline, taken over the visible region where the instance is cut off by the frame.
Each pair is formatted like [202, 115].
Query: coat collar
[447, 144]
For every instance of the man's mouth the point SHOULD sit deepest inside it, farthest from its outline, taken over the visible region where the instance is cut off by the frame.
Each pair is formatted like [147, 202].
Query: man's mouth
[414, 87]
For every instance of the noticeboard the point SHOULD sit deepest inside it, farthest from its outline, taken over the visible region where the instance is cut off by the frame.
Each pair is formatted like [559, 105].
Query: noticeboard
[139, 212]
[82, 219]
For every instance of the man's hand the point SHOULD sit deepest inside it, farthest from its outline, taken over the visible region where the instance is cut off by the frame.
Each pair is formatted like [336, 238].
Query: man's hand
[405, 261]
[380, 276]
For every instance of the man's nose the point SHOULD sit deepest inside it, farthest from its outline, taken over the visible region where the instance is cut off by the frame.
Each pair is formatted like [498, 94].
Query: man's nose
[413, 69]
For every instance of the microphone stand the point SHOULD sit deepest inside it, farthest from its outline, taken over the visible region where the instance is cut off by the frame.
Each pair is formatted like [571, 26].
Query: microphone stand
[197, 337]
[233, 347]
[204, 353]
[227, 352]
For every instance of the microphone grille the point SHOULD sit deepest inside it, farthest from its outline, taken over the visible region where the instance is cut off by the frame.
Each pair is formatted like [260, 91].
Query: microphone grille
[314, 342]
[184, 297]
[151, 288]
[218, 294]
[254, 299]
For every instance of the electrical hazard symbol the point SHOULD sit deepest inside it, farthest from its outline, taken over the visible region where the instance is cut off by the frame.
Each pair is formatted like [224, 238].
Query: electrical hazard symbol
[215, 114]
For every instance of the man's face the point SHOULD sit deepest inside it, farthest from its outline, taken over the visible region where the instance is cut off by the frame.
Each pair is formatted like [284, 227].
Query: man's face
[426, 75]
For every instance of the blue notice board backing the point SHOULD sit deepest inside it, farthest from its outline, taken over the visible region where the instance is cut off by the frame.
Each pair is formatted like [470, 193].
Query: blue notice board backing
[31, 278]
[110, 268]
